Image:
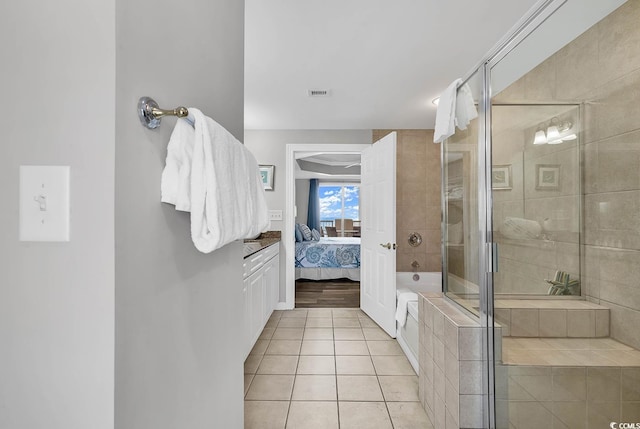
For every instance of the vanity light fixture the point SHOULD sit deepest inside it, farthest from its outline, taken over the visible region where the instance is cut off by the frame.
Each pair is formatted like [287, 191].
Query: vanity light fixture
[553, 134]
[540, 137]
[556, 133]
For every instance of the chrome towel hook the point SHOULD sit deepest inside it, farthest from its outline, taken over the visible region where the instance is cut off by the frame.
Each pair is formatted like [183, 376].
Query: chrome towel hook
[150, 113]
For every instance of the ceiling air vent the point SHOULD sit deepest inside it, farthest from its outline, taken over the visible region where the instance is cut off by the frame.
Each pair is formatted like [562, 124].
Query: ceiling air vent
[319, 92]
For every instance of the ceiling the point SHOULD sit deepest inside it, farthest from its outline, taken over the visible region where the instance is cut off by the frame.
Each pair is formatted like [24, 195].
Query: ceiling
[383, 62]
[329, 166]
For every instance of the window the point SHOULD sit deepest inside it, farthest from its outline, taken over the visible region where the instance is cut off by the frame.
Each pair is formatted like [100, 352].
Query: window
[338, 201]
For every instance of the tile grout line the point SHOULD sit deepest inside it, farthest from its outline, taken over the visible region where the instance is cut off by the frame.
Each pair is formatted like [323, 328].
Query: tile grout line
[335, 362]
[295, 374]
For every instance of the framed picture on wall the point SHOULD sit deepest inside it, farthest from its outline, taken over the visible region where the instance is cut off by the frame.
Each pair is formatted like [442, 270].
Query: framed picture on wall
[501, 177]
[547, 177]
[266, 174]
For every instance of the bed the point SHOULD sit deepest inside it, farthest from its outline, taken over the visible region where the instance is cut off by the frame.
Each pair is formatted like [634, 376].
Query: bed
[328, 258]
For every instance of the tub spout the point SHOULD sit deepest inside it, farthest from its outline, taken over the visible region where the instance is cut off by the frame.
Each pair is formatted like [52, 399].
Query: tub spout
[415, 266]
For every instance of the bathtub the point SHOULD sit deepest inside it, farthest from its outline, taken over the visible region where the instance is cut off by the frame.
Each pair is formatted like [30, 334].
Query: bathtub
[407, 335]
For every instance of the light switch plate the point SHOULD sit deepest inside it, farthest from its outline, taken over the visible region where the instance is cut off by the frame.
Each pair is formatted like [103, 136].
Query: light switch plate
[275, 214]
[44, 203]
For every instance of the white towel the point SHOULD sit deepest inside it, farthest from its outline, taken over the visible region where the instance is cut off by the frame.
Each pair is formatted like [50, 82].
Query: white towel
[465, 108]
[216, 178]
[446, 114]
[401, 310]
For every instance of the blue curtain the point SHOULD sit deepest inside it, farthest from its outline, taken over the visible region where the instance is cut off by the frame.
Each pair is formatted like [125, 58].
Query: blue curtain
[313, 215]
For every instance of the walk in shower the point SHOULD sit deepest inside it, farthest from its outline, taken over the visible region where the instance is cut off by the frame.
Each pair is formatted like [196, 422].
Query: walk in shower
[541, 197]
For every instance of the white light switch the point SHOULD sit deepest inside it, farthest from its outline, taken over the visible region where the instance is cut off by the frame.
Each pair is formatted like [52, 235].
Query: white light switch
[44, 203]
[275, 214]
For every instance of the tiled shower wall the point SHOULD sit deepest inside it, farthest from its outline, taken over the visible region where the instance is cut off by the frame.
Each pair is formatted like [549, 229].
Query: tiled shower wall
[601, 70]
[417, 198]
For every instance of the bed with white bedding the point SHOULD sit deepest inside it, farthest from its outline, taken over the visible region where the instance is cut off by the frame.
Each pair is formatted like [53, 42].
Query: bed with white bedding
[328, 258]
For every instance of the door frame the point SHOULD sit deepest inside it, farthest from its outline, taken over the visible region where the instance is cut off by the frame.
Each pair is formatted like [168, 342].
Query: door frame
[288, 233]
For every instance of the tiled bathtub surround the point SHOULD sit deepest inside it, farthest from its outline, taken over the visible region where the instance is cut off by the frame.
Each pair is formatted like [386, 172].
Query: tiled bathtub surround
[417, 198]
[450, 364]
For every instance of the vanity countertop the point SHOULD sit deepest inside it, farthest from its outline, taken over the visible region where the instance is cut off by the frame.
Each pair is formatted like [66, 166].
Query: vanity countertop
[264, 240]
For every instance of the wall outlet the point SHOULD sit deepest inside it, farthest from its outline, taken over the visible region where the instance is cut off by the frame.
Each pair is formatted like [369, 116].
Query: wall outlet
[275, 214]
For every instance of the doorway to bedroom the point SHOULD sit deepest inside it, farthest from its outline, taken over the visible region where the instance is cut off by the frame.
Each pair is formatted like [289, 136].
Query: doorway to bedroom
[323, 192]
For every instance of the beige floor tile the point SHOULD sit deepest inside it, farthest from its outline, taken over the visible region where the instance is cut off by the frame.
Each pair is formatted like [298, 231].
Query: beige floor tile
[284, 347]
[267, 333]
[260, 347]
[247, 382]
[319, 322]
[375, 334]
[292, 322]
[252, 363]
[272, 323]
[317, 347]
[319, 312]
[408, 415]
[399, 388]
[313, 415]
[288, 334]
[316, 365]
[359, 388]
[384, 348]
[368, 323]
[354, 365]
[278, 364]
[344, 322]
[351, 348]
[360, 415]
[271, 388]
[318, 334]
[265, 414]
[392, 365]
[345, 312]
[348, 334]
[298, 312]
[314, 388]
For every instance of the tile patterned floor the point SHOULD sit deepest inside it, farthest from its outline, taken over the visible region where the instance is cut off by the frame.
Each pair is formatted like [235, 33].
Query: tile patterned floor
[329, 368]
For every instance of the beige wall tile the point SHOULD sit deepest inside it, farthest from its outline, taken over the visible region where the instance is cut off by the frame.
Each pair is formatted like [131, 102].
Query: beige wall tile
[581, 323]
[524, 322]
[570, 414]
[553, 323]
[569, 384]
[577, 67]
[624, 324]
[630, 382]
[472, 415]
[602, 323]
[601, 414]
[610, 220]
[603, 384]
[618, 41]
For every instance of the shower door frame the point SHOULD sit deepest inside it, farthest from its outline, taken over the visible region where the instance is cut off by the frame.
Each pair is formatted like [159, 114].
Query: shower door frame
[487, 251]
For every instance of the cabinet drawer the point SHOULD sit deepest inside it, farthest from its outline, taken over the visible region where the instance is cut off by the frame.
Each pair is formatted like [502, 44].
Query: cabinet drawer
[270, 251]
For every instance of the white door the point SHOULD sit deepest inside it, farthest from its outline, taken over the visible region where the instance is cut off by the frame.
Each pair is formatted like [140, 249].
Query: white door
[378, 215]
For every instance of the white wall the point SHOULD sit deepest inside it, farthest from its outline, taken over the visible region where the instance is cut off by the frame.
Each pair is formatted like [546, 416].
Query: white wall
[57, 82]
[269, 147]
[178, 354]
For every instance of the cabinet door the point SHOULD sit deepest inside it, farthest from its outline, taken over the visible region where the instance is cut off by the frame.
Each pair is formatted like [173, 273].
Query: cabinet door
[271, 279]
[256, 281]
[246, 320]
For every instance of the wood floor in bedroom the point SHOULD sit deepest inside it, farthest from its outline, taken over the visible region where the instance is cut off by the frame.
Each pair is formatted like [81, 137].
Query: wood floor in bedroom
[340, 293]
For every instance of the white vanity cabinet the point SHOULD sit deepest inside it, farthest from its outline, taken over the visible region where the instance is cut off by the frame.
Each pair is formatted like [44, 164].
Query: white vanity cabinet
[260, 292]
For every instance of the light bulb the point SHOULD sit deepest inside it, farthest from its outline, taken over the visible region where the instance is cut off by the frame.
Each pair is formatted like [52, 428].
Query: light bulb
[552, 133]
[570, 137]
[540, 138]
